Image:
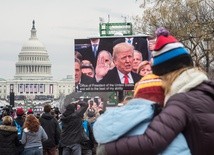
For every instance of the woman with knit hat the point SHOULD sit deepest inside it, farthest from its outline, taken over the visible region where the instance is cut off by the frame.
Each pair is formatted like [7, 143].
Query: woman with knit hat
[19, 120]
[188, 106]
[134, 117]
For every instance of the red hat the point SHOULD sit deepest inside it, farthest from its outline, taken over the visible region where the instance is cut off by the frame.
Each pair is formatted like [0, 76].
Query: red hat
[20, 111]
[30, 111]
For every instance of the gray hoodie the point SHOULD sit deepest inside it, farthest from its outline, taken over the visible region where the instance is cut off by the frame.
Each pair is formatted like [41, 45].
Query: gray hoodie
[33, 139]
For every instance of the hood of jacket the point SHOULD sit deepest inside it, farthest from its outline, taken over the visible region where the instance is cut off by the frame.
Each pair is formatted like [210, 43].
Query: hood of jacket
[7, 129]
[47, 116]
[68, 117]
[117, 122]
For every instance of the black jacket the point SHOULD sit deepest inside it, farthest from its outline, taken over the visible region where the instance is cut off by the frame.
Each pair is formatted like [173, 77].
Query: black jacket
[51, 127]
[72, 129]
[9, 142]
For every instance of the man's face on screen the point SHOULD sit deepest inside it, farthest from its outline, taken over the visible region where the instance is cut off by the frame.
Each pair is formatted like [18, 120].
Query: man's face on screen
[78, 73]
[124, 60]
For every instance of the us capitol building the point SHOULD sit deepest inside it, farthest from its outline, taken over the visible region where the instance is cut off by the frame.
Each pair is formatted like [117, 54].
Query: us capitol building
[33, 79]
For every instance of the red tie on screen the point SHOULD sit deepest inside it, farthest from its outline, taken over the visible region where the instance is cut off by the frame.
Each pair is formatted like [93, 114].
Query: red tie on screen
[126, 79]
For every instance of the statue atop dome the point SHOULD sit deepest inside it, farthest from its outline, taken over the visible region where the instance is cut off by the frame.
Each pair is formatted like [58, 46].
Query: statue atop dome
[33, 25]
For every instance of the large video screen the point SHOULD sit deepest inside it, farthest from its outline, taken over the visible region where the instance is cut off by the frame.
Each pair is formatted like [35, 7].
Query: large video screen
[100, 68]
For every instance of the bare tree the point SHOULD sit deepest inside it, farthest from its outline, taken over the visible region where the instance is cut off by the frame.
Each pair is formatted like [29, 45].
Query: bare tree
[191, 21]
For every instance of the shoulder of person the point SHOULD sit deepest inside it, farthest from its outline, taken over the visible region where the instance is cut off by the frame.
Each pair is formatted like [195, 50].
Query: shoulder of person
[8, 128]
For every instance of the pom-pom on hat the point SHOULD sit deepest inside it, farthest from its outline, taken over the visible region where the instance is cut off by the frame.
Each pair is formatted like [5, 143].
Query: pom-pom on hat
[20, 111]
[169, 54]
[150, 87]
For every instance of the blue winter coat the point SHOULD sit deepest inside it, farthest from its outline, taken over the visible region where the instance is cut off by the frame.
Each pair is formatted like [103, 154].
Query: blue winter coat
[133, 119]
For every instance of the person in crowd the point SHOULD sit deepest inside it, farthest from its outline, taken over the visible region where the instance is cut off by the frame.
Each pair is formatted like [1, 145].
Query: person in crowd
[19, 121]
[30, 111]
[56, 112]
[144, 68]
[140, 44]
[86, 62]
[78, 55]
[33, 136]
[92, 112]
[79, 77]
[147, 103]
[9, 143]
[188, 106]
[52, 129]
[88, 70]
[151, 45]
[38, 116]
[95, 46]
[72, 129]
[122, 72]
[88, 144]
[137, 60]
[100, 104]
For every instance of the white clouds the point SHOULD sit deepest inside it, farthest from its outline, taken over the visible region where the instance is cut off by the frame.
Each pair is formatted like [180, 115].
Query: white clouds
[58, 22]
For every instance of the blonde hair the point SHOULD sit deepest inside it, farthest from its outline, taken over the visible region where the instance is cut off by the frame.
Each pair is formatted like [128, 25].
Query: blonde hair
[7, 120]
[169, 78]
[143, 64]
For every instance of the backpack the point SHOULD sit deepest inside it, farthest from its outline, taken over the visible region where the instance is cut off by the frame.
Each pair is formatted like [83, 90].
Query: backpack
[19, 130]
[86, 127]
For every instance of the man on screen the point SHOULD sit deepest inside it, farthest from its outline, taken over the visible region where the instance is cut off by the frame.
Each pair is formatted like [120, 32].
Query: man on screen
[81, 78]
[122, 72]
[139, 43]
[95, 46]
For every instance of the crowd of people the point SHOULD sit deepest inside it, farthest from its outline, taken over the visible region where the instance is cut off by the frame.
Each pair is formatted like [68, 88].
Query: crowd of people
[52, 132]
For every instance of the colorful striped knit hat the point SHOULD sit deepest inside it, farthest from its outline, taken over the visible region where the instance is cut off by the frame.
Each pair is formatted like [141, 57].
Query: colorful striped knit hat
[150, 87]
[169, 54]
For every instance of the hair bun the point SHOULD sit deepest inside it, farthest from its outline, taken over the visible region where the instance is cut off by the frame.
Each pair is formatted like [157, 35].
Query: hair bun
[162, 31]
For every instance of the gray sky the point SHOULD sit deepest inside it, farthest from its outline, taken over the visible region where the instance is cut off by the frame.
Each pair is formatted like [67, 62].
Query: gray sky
[58, 23]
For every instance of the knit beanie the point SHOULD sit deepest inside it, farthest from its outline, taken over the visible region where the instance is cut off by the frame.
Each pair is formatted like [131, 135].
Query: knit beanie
[19, 111]
[150, 88]
[169, 54]
[30, 111]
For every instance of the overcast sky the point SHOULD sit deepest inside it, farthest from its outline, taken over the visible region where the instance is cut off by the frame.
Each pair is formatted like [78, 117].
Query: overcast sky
[58, 23]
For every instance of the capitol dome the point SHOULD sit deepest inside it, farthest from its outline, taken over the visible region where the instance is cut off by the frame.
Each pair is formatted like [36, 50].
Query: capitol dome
[33, 60]
[33, 44]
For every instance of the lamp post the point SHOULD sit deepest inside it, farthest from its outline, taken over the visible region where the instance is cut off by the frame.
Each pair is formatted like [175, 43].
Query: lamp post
[12, 97]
